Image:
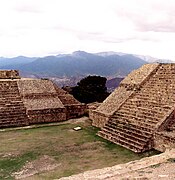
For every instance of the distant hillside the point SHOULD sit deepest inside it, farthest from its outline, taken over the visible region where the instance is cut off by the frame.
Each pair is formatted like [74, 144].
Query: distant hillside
[79, 63]
[111, 84]
[20, 60]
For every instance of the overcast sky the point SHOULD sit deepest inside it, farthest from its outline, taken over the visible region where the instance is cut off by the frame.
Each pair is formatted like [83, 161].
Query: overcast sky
[45, 27]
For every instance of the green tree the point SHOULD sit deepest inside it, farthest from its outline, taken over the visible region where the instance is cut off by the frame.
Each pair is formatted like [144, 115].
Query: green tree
[91, 89]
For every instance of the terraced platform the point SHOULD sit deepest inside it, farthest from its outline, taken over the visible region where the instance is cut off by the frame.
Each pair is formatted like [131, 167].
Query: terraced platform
[148, 108]
[25, 101]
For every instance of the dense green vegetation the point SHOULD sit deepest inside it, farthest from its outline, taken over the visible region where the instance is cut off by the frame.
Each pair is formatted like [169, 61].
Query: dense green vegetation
[91, 89]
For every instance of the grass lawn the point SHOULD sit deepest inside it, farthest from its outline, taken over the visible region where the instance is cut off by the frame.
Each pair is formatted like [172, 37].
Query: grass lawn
[55, 151]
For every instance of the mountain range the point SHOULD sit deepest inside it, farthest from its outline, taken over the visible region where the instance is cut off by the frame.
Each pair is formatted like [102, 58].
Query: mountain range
[78, 63]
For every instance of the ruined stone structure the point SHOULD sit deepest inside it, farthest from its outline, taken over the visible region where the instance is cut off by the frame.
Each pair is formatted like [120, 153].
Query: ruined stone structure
[31, 101]
[140, 112]
[73, 107]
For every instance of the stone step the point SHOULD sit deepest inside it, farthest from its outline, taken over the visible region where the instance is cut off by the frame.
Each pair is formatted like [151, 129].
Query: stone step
[122, 131]
[135, 127]
[12, 119]
[5, 97]
[157, 111]
[19, 116]
[140, 114]
[9, 92]
[147, 97]
[131, 127]
[11, 107]
[124, 137]
[142, 110]
[134, 120]
[127, 130]
[12, 111]
[150, 104]
[121, 142]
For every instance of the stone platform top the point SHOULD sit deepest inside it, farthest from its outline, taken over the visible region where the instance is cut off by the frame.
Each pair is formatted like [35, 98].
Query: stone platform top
[139, 75]
[32, 86]
[9, 74]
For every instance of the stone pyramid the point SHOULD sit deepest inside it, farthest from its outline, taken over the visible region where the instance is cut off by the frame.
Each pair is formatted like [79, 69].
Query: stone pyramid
[140, 107]
[25, 101]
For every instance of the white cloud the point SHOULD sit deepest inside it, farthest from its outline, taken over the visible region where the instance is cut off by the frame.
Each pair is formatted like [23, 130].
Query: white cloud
[39, 27]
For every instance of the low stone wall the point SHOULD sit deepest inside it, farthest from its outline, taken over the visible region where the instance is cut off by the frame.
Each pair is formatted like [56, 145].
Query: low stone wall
[46, 115]
[164, 140]
[98, 119]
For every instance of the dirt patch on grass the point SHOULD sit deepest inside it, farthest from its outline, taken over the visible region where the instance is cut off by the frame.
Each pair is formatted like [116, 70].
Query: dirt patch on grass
[9, 155]
[45, 163]
[77, 148]
[79, 120]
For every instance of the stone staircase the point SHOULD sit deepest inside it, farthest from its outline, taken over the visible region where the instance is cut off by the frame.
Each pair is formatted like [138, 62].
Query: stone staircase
[12, 110]
[134, 123]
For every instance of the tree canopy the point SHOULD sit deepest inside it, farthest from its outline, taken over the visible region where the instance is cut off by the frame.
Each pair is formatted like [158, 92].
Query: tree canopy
[91, 89]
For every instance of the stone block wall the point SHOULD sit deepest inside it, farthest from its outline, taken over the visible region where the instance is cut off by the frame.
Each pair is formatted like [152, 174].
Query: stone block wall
[98, 119]
[164, 140]
[46, 115]
[91, 107]
[74, 111]
[9, 74]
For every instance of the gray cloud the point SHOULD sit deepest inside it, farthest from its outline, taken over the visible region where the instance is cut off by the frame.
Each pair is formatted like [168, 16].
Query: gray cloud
[98, 36]
[152, 16]
[164, 26]
[27, 8]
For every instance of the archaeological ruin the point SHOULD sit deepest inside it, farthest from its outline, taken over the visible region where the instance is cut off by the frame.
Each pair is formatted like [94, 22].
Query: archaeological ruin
[25, 101]
[139, 114]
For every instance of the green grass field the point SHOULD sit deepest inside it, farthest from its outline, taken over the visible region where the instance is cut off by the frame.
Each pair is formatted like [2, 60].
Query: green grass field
[55, 151]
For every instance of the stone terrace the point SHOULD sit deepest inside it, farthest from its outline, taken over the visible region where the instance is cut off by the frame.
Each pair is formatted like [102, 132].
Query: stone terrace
[40, 99]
